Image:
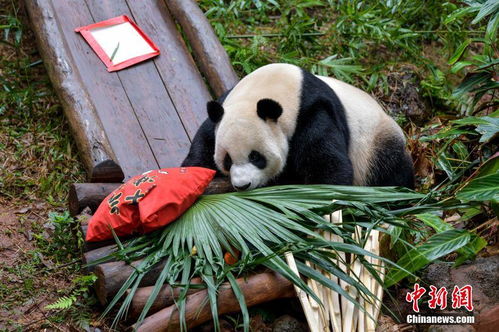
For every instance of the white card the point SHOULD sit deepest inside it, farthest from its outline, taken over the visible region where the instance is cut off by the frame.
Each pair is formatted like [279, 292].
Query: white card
[122, 40]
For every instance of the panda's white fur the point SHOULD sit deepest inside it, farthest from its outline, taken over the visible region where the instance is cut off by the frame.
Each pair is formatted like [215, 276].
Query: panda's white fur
[241, 130]
[366, 120]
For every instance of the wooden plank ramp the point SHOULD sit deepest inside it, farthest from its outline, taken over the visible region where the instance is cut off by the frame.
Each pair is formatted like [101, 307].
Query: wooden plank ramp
[142, 117]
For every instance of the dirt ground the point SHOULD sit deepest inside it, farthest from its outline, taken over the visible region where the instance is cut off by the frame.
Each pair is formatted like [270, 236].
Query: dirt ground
[39, 255]
[30, 281]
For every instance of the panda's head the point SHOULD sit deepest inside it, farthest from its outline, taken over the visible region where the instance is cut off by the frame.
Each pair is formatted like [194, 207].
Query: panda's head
[250, 145]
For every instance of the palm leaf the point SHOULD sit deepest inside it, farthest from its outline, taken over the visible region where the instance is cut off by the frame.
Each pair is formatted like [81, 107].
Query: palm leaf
[263, 224]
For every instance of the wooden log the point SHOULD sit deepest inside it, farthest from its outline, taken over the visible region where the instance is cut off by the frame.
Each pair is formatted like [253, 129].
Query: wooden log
[120, 122]
[96, 254]
[83, 219]
[256, 289]
[90, 246]
[209, 53]
[111, 276]
[82, 195]
[185, 85]
[166, 297]
[92, 142]
[146, 90]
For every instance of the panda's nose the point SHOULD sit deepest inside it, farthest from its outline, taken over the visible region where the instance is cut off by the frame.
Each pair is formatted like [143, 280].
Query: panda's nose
[243, 187]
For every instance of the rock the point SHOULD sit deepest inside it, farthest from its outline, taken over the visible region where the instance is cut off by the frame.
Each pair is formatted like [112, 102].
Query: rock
[387, 324]
[488, 320]
[482, 274]
[257, 324]
[208, 327]
[287, 323]
[23, 210]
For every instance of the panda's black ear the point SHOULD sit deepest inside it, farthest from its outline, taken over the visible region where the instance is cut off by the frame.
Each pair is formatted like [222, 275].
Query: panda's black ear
[215, 111]
[268, 109]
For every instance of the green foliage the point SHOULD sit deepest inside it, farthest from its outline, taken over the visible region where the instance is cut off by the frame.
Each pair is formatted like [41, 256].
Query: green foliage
[339, 68]
[435, 247]
[65, 238]
[38, 157]
[481, 78]
[265, 223]
[64, 302]
[451, 45]
[486, 126]
[75, 304]
[484, 188]
[467, 252]
[12, 30]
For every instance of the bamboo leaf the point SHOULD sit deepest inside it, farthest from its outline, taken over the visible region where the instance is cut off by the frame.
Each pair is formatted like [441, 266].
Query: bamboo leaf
[115, 51]
[434, 222]
[437, 246]
[485, 188]
[459, 51]
[489, 7]
[470, 250]
[157, 287]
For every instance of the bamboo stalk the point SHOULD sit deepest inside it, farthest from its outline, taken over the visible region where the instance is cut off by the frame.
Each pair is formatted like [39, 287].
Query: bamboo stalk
[377, 288]
[333, 297]
[337, 218]
[379, 298]
[318, 310]
[302, 296]
[350, 314]
[361, 326]
[351, 318]
[323, 294]
[367, 280]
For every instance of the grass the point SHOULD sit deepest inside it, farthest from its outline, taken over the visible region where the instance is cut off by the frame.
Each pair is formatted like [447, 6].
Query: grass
[38, 161]
[411, 55]
[39, 158]
[368, 40]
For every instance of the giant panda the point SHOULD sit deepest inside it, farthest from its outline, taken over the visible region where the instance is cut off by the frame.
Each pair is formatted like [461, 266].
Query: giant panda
[283, 125]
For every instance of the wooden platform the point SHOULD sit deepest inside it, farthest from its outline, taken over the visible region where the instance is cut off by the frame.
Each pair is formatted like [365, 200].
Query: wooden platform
[142, 117]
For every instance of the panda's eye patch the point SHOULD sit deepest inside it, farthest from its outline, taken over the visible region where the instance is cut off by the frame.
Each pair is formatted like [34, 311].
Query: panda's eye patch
[227, 162]
[257, 159]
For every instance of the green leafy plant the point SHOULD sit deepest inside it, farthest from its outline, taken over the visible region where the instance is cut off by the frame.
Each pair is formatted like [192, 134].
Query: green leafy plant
[481, 78]
[81, 287]
[340, 68]
[61, 243]
[12, 30]
[64, 302]
[265, 223]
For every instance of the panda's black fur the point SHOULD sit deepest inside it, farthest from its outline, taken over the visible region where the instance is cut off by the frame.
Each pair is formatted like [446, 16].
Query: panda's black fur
[314, 157]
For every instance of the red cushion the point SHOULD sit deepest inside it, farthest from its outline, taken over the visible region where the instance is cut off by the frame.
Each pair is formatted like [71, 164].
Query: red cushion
[149, 201]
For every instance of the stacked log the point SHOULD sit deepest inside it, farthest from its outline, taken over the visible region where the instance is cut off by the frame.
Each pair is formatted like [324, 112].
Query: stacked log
[256, 289]
[111, 275]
